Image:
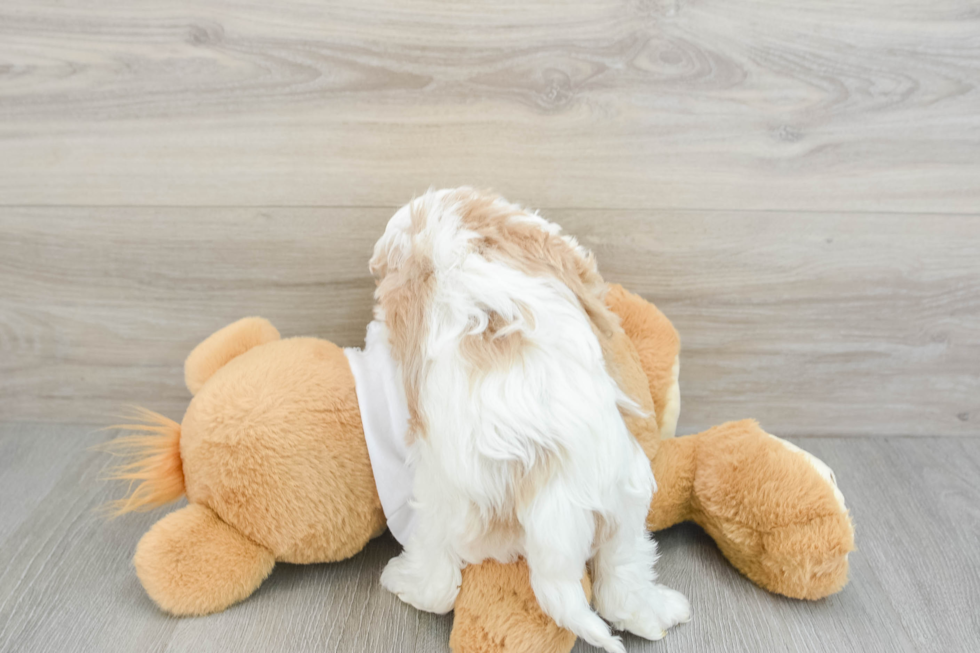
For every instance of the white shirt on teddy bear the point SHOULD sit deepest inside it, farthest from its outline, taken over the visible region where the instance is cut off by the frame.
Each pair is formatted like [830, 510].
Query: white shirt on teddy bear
[384, 415]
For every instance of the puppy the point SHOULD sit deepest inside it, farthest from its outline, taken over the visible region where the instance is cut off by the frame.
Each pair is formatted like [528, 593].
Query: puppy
[497, 324]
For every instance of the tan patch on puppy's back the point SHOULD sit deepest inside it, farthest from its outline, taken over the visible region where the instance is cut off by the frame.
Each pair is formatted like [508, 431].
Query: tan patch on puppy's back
[493, 349]
[530, 248]
[420, 215]
[505, 234]
[404, 296]
[380, 262]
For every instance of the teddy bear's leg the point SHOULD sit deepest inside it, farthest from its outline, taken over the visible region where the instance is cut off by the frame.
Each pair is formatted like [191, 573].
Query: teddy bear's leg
[774, 510]
[192, 563]
[674, 466]
[496, 612]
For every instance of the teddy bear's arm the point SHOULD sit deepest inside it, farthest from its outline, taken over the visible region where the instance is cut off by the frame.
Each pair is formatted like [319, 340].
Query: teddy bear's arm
[658, 346]
[773, 510]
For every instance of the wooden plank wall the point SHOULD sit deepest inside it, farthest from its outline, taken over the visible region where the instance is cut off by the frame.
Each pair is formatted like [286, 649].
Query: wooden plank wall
[797, 185]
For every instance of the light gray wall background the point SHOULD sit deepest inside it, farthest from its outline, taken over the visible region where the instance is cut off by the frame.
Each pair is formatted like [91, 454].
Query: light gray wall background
[795, 184]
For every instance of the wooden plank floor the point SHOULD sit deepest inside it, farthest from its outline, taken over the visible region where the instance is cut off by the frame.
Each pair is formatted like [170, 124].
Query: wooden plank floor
[66, 583]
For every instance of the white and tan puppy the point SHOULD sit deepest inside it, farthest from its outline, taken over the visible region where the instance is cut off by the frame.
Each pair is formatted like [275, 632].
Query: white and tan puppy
[497, 324]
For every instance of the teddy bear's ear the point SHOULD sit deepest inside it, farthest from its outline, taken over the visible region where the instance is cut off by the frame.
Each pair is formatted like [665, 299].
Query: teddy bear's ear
[224, 345]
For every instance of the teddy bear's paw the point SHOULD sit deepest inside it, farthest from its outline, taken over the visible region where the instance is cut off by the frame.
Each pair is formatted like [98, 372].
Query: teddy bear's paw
[430, 588]
[663, 609]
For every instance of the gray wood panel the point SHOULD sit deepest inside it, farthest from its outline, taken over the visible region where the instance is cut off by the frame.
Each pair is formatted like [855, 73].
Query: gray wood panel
[794, 184]
[811, 104]
[66, 583]
[817, 324]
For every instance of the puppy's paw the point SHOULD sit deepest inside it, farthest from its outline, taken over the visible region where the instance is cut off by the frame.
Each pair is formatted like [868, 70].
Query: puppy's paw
[664, 608]
[429, 590]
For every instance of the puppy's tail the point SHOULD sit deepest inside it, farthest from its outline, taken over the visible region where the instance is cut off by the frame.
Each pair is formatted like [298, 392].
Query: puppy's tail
[565, 602]
[152, 461]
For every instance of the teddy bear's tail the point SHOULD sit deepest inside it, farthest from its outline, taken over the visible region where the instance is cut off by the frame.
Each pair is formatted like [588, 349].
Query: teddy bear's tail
[151, 453]
[151, 449]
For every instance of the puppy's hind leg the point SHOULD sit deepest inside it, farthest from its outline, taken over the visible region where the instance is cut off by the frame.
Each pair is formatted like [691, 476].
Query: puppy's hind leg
[558, 541]
[624, 580]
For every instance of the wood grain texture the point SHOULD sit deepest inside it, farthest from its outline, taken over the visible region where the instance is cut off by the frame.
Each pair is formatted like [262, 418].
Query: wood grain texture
[66, 583]
[817, 325]
[812, 104]
[794, 184]
[32, 461]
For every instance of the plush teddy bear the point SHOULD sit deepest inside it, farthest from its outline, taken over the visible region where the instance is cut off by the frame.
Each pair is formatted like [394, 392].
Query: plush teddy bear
[272, 456]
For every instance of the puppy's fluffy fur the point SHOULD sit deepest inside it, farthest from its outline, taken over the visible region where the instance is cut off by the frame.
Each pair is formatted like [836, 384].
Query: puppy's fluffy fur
[498, 325]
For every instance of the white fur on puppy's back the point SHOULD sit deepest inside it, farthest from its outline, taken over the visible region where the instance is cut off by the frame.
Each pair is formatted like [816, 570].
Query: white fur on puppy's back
[498, 324]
